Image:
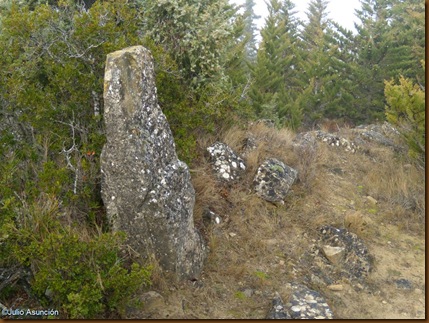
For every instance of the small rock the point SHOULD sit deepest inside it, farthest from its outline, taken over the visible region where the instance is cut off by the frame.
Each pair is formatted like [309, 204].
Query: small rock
[248, 292]
[232, 234]
[334, 254]
[384, 302]
[211, 217]
[359, 286]
[403, 284]
[336, 287]
[371, 199]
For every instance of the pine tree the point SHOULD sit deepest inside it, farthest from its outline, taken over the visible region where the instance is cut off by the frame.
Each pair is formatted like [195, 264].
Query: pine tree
[274, 86]
[250, 29]
[318, 70]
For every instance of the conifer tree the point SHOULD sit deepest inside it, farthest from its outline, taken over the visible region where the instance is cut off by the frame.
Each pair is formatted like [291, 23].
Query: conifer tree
[250, 29]
[319, 76]
[272, 92]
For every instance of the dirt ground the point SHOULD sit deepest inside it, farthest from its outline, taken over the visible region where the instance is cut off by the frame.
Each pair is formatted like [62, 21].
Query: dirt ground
[255, 251]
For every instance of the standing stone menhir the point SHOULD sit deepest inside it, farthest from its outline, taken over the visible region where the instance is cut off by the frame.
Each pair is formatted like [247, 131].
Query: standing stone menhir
[147, 191]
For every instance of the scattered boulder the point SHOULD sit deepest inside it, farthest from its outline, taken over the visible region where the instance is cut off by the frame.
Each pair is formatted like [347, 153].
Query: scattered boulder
[273, 180]
[355, 262]
[147, 191]
[226, 163]
[384, 134]
[337, 254]
[309, 138]
[308, 304]
[305, 140]
[336, 141]
[304, 303]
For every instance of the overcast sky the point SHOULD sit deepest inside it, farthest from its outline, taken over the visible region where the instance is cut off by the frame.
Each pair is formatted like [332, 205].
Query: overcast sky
[341, 11]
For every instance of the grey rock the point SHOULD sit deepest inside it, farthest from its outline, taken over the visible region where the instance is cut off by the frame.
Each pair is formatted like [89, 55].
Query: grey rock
[403, 284]
[211, 218]
[227, 165]
[278, 310]
[334, 254]
[384, 134]
[307, 304]
[273, 180]
[249, 144]
[146, 190]
[356, 261]
[309, 138]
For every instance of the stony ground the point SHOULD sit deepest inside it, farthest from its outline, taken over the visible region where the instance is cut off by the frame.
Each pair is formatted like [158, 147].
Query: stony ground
[257, 250]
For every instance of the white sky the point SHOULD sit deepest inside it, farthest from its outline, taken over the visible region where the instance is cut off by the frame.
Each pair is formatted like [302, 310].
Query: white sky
[341, 11]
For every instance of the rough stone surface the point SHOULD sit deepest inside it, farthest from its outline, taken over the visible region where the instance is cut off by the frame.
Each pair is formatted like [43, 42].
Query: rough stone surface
[403, 284]
[278, 310]
[356, 263]
[308, 139]
[211, 218]
[384, 134]
[307, 304]
[353, 262]
[249, 144]
[226, 163]
[273, 180]
[147, 191]
[334, 254]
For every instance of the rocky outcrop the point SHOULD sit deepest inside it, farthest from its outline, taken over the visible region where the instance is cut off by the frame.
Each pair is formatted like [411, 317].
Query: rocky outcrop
[304, 303]
[338, 254]
[227, 165]
[147, 191]
[278, 310]
[273, 180]
[308, 138]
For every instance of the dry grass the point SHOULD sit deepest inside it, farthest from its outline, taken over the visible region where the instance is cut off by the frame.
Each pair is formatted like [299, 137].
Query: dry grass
[401, 186]
[258, 244]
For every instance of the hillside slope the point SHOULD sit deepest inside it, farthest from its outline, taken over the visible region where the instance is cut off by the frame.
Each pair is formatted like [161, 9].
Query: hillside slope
[259, 248]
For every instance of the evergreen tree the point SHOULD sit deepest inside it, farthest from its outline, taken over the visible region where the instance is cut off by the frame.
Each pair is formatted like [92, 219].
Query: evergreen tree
[372, 44]
[274, 75]
[250, 29]
[318, 70]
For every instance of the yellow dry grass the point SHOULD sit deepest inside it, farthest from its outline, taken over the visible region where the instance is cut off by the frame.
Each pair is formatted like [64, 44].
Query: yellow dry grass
[258, 244]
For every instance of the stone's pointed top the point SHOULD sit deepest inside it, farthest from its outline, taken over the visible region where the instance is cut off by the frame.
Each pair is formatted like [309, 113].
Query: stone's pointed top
[132, 49]
[154, 197]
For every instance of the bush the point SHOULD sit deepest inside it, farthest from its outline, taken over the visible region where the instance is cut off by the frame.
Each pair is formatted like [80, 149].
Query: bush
[79, 273]
[406, 110]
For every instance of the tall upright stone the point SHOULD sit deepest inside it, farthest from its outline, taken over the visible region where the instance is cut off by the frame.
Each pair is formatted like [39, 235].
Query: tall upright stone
[147, 191]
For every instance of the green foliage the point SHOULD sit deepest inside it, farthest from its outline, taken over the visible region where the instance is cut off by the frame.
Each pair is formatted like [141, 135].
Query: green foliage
[84, 275]
[240, 295]
[250, 29]
[390, 42]
[405, 109]
[195, 33]
[274, 86]
[51, 87]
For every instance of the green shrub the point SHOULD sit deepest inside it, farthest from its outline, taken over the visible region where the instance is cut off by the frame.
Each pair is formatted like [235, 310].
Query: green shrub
[405, 109]
[84, 274]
